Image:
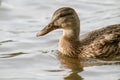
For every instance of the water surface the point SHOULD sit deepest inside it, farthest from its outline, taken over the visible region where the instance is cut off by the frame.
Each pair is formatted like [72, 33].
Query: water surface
[23, 56]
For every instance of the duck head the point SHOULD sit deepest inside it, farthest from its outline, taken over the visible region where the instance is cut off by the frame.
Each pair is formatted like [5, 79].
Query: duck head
[67, 19]
[64, 18]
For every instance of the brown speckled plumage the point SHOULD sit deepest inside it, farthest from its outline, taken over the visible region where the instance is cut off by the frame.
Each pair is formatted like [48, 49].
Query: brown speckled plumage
[101, 43]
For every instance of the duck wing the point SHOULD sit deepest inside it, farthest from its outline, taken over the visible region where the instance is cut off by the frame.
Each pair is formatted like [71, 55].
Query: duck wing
[106, 46]
[102, 43]
[93, 35]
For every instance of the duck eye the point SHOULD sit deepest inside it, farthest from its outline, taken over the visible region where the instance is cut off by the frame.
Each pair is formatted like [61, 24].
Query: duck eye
[65, 14]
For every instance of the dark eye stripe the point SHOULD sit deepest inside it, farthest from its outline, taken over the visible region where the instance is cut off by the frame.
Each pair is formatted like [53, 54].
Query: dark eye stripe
[66, 14]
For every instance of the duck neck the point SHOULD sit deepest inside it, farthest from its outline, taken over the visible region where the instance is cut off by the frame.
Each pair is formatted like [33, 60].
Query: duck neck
[71, 34]
[69, 43]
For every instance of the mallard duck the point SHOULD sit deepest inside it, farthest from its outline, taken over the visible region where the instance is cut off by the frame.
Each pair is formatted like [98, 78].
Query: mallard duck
[101, 43]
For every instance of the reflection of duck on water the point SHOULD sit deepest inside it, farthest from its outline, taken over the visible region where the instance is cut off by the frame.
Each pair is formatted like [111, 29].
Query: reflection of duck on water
[73, 76]
[70, 63]
[73, 64]
[102, 43]
[76, 66]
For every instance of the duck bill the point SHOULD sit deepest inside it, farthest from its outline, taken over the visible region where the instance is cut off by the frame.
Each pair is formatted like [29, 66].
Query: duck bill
[47, 29]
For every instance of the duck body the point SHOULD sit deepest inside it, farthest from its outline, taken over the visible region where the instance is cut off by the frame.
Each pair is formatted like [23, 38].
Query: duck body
[101, 43]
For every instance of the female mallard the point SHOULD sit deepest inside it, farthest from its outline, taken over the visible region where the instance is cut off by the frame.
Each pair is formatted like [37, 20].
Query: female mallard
[102, 43]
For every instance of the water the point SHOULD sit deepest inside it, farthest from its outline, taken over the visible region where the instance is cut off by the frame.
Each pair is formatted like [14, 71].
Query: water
[25, 57]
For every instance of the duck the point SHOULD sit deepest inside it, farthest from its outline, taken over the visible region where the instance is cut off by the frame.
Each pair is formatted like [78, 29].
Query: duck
[100, 43]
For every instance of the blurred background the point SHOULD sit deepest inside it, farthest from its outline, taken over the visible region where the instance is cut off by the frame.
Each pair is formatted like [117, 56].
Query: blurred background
[23, 56]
